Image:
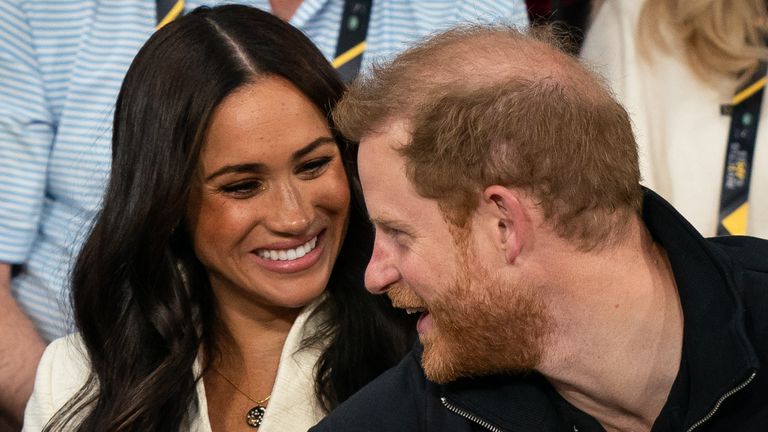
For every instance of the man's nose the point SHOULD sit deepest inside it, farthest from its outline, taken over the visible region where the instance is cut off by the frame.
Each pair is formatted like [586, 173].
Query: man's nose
[381, 272]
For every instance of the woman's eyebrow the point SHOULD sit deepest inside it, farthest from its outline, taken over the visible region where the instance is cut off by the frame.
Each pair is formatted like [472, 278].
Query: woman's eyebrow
[309, 148]
[256, 167]
[237, 168]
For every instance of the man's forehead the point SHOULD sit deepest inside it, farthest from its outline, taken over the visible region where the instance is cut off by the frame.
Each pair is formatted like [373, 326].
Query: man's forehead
[377, 158]
[380, 164]
[382, 172]
[388, 193]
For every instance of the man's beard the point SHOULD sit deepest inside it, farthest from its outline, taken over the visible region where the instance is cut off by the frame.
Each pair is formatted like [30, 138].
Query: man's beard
[480, 326]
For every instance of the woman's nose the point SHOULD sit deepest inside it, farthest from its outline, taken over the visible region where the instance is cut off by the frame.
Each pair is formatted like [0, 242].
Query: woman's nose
[292, 212]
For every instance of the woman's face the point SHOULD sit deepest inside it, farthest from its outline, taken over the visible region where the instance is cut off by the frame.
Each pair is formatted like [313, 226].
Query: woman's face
[270, 208]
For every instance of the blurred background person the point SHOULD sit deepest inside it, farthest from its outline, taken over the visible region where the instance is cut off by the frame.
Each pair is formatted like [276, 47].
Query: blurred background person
[574, 14]
[61, 65]
[691, 73]
[221, 287]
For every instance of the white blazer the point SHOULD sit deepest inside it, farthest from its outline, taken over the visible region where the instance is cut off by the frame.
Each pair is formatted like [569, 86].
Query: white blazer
[293, 406]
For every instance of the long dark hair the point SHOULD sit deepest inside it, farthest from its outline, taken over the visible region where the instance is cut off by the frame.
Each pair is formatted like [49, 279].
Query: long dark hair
[142, 301]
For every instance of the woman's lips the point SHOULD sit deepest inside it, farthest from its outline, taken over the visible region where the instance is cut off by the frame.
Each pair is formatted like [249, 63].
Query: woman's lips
[294, 259]
[288, 253]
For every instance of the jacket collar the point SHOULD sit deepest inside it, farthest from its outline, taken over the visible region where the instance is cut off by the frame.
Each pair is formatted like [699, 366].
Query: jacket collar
[718, 352]
[518, 402]
[510, 403]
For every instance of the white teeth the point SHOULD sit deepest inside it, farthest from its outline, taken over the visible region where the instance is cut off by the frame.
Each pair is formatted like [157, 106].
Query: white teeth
[288, 254]
[414, 310]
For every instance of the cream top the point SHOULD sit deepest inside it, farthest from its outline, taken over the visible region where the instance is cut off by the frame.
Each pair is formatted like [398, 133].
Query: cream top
[293, 406]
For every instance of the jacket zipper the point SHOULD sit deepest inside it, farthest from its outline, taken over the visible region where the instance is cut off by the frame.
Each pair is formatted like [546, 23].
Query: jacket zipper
[469, 416]
[492, 428]
[721, 400]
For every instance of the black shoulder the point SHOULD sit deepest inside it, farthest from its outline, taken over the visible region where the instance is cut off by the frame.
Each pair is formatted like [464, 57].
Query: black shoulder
[750, 253]
[748, 267]
[392, 402]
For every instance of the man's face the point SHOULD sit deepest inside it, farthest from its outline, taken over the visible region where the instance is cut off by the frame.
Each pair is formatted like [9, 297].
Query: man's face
[473, 322]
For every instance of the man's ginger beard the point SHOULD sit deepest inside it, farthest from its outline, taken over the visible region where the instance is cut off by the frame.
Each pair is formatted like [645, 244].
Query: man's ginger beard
[481, 326]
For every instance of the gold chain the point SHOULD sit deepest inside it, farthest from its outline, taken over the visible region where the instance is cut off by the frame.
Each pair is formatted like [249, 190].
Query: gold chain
[240, 391]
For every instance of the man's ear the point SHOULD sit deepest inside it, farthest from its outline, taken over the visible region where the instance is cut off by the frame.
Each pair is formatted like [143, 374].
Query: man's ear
[513, 223]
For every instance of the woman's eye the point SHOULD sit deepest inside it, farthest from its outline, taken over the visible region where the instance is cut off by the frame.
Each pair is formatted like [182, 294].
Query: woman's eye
[315, 167]
[243, 189]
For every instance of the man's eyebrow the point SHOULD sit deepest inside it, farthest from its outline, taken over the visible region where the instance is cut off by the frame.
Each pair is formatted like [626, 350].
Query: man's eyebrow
[256, 167]
[387, 223]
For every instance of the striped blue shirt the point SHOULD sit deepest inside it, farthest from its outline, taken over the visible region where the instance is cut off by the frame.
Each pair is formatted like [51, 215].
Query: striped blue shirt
[61, 66]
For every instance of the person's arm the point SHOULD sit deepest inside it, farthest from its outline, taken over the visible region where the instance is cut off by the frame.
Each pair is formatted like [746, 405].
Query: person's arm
[20, 351]
[27, 130]
[26, 136]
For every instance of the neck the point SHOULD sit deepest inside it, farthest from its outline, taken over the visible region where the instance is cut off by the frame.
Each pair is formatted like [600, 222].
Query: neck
[615, 356]
[244, 369]
[284, 9]
[250, 341]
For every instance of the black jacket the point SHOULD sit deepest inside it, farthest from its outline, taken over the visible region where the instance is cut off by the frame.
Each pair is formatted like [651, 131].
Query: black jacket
[723, 286]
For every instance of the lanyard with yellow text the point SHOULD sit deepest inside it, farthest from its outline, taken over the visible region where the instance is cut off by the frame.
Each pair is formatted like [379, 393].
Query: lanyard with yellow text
[734, 195]
[352, 35]
[167, 11]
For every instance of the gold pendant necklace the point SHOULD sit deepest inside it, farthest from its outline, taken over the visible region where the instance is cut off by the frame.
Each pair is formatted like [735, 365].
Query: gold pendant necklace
[255, 415]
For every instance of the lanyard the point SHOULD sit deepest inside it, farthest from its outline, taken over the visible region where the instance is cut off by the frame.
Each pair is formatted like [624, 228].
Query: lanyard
[167, 11]
[740, 150]
[349, 48]
[352, 35]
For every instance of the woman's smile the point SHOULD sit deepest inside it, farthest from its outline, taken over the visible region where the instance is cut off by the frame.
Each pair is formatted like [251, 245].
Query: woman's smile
[292, 260]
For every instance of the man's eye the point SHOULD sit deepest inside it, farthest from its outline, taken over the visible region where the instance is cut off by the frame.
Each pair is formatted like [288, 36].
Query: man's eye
[315, 167]
[243, 189]
[400, 238]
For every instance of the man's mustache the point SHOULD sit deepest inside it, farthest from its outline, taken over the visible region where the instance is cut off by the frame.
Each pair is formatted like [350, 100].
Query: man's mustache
[404, 298]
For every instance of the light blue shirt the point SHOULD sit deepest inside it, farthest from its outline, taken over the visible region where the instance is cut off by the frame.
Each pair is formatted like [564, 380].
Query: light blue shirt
[61, 66]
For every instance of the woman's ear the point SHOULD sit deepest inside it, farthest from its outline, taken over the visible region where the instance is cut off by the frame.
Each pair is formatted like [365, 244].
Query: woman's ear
[513, 225]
